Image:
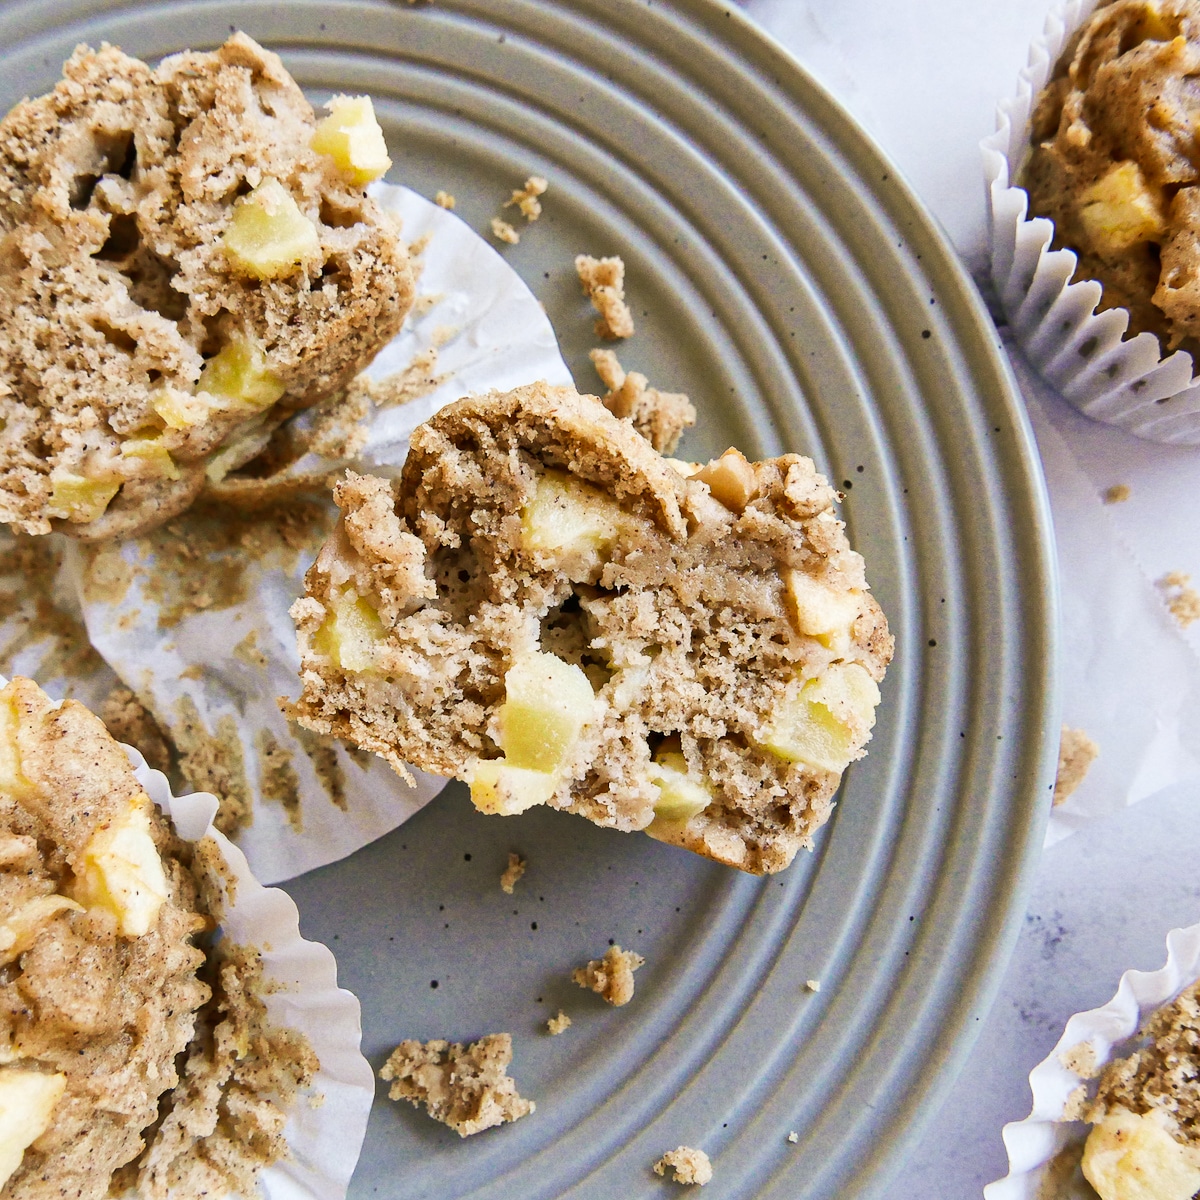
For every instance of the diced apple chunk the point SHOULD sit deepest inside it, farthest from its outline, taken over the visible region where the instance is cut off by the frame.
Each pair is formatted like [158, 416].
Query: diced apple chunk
[824, 722]
[350, 634]
[27, 1101]
[1129, 1156]
[547, 704]
[501, 789]
[568, 516]
[1121, 209]
[121, 871]
[680, 797]
[77, 498]
[268, 236]
[20, 928]
[151, 450]
[181, 410]
[351, 136]
[240, 374]
[730, 479]
[13, 781]
[820, 611]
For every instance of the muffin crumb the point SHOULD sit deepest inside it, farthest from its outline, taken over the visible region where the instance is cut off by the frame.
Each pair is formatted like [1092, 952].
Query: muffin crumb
[1181, 598]
[813, 985]
[690, 1166]
[1076, 753]
[556, 1025]
[512, 873]
[465, 1087]
[526, 199]
[610, 977]
[603, 281]
[793, 1137]
[660, 417]
[1080, 1060]
[128, 720]
[1117, 494]
[445, 200]
[504, 232]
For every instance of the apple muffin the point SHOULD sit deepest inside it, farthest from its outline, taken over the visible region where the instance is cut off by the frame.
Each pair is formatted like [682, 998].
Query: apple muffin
[98, 914]
[135, 1051]
[545, 607]
[1115, 161]
[1145, 1115]
[187, 256]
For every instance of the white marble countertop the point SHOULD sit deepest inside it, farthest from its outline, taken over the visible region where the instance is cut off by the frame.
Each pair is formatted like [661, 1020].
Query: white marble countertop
[923, 77]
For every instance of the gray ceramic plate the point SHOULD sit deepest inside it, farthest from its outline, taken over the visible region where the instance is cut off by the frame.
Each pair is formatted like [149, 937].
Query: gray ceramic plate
[785, 277]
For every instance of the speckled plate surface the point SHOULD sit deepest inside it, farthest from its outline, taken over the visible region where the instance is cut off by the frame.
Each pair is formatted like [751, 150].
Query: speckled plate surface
[784, 277]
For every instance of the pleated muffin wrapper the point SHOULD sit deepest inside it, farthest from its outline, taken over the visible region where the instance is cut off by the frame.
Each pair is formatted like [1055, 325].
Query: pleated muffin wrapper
[1128, 382]
[327, 1124]
[212, 664]
[1045, 1148]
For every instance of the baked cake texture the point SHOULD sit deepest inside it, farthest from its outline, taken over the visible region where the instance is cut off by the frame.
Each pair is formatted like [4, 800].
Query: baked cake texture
[1115, 161]
[97, 917]
[131, 1057]
[465, 1087]
[545, 607]
[1145, 1139]
[187, 256]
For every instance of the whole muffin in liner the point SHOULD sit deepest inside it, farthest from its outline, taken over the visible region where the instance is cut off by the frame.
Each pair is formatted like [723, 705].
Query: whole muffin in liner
[220, 1100]
[1132, 382]
[1045, 1149]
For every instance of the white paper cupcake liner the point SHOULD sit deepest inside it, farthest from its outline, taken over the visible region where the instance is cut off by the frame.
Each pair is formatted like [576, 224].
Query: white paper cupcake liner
[1125, 382]
[1089, 1040]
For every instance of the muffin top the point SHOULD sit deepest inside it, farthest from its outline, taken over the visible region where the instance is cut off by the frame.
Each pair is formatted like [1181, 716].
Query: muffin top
[98, 971]
[1115, 161]
[549, 609]
[186, 257]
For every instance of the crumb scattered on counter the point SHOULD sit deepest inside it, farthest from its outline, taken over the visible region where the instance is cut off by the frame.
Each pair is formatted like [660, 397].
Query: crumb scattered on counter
[504, 232]
[1118, 493]
[611, 976]
[1076, 753]
[465, 1087]
[793, 1137]
[690, 1166]
[603, 281]
[444, 199]
[660, 417]
[527, 198]
[1182, 599]
[512, 873]
[813, 985]
[556, 1025]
